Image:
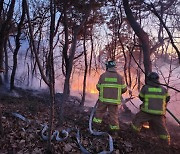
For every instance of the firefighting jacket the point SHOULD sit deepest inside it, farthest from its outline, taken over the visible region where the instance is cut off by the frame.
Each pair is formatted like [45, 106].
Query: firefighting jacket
[110, 86]
[155, 98]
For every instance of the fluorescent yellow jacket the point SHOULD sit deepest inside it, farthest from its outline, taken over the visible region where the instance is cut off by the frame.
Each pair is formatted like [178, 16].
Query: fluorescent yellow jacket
[111, 86]
[155, 98]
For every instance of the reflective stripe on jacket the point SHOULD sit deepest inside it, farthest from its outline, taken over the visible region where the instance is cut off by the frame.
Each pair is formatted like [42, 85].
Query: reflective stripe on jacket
[154, 99]
[111, 85]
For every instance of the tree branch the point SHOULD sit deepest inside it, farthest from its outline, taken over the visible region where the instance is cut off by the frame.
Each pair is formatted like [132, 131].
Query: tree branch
[165, 27]
[33, 45]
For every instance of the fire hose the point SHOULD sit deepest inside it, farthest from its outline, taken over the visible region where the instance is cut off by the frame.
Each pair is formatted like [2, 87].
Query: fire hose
[66, 132]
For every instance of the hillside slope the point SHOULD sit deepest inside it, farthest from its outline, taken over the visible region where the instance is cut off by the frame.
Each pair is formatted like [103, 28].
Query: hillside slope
[22, 137]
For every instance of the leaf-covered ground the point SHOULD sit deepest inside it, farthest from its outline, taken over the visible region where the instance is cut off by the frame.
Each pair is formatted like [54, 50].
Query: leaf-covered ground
[24, 138]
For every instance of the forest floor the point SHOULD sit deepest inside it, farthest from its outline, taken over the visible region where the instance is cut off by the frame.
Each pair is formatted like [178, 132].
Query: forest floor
[20, 137]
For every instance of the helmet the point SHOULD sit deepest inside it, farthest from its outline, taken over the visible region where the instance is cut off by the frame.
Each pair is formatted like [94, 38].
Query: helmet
[153, 76]
[110, 64]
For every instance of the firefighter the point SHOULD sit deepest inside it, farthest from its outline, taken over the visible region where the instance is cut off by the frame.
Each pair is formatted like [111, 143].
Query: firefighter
[110, 86]
[153, 109]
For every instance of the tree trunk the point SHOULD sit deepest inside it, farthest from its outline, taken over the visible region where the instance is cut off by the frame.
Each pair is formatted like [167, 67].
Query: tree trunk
[1, 126]
[1, 6]
[129, 70]
[4, 32]
[33, 47]
[17, 47]
[51, 73]
[139, 71]
[76, 31]
[67, 79]
[125, 59]
[28, 70]
[143, 37]
[6, 76]
[92, 49]
[86, 69]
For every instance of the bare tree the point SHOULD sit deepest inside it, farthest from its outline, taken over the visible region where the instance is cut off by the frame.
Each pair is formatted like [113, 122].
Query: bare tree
[1, 126]
[4, 31]
[76, 29]
[142, 35]
[50, 79]
[19, 29]
[91, 54]
[33, 46]
[51, 70]
[153, 9]
[86, 69]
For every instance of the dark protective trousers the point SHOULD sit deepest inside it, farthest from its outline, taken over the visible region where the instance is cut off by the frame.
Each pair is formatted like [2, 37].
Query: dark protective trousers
[102, 108]
[157, 122]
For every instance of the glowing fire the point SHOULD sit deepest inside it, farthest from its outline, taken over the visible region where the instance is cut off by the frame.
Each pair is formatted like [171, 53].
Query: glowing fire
[93, 91]
[92, 80]
[146, 125]
[77, 83]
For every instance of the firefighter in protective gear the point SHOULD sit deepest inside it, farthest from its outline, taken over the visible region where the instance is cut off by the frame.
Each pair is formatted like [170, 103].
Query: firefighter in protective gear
[110, 86]
[153, 109]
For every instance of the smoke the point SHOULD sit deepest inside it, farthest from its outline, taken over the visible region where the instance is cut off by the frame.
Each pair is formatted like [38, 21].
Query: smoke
[169, 74]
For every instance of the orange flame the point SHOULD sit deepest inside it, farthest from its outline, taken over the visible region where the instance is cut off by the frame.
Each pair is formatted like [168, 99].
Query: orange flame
[146, 125]
[93, 91]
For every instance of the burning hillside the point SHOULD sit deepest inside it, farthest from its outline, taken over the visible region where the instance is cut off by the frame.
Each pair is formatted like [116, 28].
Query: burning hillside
[20, 137]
